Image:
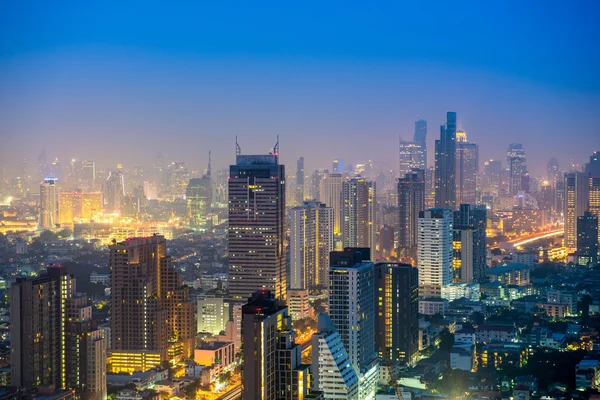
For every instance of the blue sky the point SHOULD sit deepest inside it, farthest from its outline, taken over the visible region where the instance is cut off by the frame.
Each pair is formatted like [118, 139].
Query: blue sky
[118, 82]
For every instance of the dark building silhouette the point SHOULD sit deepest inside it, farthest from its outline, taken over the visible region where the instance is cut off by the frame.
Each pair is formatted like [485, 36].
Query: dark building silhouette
[445, 165]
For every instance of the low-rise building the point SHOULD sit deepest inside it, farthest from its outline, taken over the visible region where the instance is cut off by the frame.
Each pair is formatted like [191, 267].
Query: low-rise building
[510, 274]
[462, 356]
[433, 306]
[495, 333]
[218, 355]
[587, 374]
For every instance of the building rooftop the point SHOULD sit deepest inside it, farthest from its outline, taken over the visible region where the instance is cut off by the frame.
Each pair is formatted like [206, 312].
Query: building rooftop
[505, 267]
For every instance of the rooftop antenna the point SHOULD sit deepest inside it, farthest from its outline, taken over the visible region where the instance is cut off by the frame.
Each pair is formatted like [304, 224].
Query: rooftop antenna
[238, 149]
[208, 171]
[276, 148]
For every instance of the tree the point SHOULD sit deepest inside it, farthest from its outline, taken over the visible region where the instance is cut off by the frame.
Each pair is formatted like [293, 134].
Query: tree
[48, 236]
[446, 340]
[65, 233]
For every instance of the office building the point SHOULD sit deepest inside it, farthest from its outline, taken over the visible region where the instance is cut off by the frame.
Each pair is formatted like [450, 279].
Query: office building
[54, 340]
[338, 166]
[352, 311]
[114, 193]
[212, 314]
[311, 241]
[467, 168]
[576, 203]
[587, 239]
[411, 157]
[198, 198]
[178, 178]
[358, 209]
[445, 164]
[421, 138]
[517, 169]
[593, 167]
[87, 175]
[145, 288]
[298, 304]
[435, 251]
[469, 244]
[300, 181]
[333, 373]
[78, 207]
[553, 172]
[272, 359]
[315, 183]
[411, 201]
[397, 299]
[257, 225]
[48, 203]
[330, 193]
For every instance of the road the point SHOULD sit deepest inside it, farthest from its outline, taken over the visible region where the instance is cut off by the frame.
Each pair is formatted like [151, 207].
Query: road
[538, 236]
[233, 394]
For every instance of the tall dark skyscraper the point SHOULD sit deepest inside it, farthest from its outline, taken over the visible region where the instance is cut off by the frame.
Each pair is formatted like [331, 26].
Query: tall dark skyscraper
[593, 167]
[411, 201]
[467, 167]
[517, 168]
[445, 165]
[576, 203]
[257, 225]
[587, 239]
[469, 244]
[397, 324]
[358, 209]
[300, 181]
[421, 138]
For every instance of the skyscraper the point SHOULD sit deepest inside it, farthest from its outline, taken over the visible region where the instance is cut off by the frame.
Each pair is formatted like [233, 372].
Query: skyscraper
[115, 190]
[411, 157]
[311, 241]
[48, 203]
[445, 164]
[421, 138]
[199, 200]
[146, 289]
[517, 169]
[338, 166]
[576, 203]
[300, 181]
[469, 244]
[397, 297]
[553, 171]
[333, 373]
[315, 183]
[273, 368]
[435, 251]
[331, 194]
[411, 201]
[467, 168]
[358, 225]
[593, 167]
[587, 239]
[257, 225]
[54, 341]
[75, 206]
[352, 311]
[87, 175]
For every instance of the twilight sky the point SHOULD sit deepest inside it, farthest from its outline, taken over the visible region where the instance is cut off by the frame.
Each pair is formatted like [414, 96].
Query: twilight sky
[118, 82]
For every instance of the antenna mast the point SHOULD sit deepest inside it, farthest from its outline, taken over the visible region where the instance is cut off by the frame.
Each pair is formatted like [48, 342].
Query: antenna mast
[238, 149]
[276, 149]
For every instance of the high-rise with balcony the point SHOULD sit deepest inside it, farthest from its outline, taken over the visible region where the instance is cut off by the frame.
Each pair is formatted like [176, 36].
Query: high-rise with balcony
[358, 209]
[411, 201]
[48, 203]
[435, 251]
[257, 225]
[445, 164]
[151, 312]
[311, 241]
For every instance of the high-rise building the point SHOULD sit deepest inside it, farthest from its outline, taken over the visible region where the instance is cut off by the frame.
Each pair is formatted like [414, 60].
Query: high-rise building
[352, 311]
[311, 241]
[576, 203]
[54, 340]
[199, 200]
[76, 206]
[331, 194]
[300, 181]
[333, 373]
[115, 190]
[178, 178]
[411, 201]
[435, 252]
[469, 244]
[48, 203]
[213, 314]
[553, 171]
[338, 166]
[257, 225]
[445, 164]
[87, 175]
[411, 157]
[358, 209]
[273, 368]
[593, 167]
[421, 138]
[517, 168]
[315, 183]
[587, 239]
[145, 289]
[467, 168]
[397, 299]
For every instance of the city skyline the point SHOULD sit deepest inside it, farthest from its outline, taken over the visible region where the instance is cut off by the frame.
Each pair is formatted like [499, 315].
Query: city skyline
[77, 90]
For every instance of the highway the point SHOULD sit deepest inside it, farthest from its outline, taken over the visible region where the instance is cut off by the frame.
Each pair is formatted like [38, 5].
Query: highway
[538, 236]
